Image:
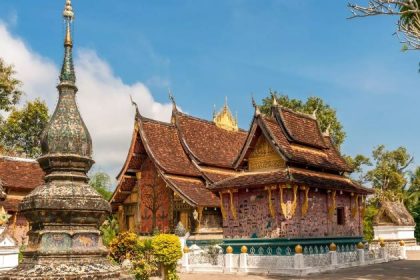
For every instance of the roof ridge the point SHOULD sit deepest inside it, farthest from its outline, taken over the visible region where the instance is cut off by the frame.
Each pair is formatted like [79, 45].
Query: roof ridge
[19, 159]
[207, 121]
[302, 114]
[142, 118]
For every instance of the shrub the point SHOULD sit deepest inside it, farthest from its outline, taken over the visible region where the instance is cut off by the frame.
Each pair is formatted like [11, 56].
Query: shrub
[167, 250]
[146, 254]
[125, 246]
[109, 230]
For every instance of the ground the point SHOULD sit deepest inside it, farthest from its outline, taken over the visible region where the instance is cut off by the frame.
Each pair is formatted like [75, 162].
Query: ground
[398, 270]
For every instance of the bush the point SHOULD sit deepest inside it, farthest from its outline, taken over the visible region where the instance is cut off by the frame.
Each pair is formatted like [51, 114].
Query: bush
[147, 254]
[109, 230]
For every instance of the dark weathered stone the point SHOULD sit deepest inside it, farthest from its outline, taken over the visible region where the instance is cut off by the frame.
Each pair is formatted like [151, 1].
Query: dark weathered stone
[65, 213]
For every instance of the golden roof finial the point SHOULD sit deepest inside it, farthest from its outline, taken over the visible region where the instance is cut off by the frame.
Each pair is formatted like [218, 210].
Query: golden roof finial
[68, 15]
[224, 118]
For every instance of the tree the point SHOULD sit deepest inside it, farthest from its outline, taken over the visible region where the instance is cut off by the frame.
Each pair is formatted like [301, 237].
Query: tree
[20, 133]
[326, 116]
[389, 177]
[357, 164]
[408, 12]
[101, 182]
[10, 92]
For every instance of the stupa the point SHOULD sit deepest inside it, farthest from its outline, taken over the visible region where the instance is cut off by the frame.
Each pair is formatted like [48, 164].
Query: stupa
[65, 213]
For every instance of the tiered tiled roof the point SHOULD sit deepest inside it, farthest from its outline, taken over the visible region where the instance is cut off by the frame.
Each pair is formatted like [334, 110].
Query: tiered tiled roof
[295, 152]
[163, 144]
[195, 156]
[292, 175]
[207, 143]
[21, 175]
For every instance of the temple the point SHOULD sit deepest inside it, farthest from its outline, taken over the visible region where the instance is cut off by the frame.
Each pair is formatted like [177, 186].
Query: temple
[18, 177]
[283, 178]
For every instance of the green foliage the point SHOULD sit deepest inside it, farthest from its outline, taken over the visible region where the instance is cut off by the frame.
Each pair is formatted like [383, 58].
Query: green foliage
[356, 164]
[167, 249]
[370, 212]
[415, 211]
[326, 116]
[147, 254]
[109, 230]
[21, 250]
[10, 92]
[101, 182]
[391, 180]
[390, 172]
[20, 133]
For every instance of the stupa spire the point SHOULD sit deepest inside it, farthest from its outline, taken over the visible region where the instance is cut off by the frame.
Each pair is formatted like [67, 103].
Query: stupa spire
[67, 70]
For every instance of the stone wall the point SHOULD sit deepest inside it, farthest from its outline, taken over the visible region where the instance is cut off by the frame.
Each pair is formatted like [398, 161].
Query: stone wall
[255, 221]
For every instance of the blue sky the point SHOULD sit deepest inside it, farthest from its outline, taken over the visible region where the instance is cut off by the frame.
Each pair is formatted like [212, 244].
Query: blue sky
[206, 50]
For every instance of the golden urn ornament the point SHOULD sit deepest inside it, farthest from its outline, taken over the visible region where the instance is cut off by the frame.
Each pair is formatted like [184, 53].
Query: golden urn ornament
[333, 247]
[360, 245]
[244, 250]
[298, 249]
[402, 243]
[229, 250]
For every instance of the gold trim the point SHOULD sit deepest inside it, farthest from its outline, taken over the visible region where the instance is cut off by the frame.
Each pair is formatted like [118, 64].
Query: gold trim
[305, 205]
[355, 208]
[222, 208]
[232, 206]
[331, 209]
[270, 203]
[307, 149]
[288, 213]
[363, 207]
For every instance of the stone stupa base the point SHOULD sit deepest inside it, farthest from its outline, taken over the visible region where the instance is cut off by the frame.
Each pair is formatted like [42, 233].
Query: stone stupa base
[66, 270]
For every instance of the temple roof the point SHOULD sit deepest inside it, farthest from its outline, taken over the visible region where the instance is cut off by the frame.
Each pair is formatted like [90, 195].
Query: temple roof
[163, 144]
[300, 128]
[393, 213]
[193, 189]
[320, 154]
[20, 173]
[292, 175]
[207, 143]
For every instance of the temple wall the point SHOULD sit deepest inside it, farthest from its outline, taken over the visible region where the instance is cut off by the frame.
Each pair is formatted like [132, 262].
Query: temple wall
[255, 221]
[155, 202]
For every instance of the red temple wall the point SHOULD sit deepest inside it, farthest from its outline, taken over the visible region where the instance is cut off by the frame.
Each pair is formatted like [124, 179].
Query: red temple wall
[254, 218]
[162, 196]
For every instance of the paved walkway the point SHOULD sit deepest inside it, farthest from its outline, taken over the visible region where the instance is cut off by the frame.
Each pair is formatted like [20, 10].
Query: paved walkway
[398, 270]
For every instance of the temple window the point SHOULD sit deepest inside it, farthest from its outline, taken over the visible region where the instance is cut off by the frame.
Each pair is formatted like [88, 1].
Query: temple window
[340, 216]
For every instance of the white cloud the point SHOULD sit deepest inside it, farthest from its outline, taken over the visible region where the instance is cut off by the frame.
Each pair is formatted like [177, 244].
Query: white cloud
[103, 97]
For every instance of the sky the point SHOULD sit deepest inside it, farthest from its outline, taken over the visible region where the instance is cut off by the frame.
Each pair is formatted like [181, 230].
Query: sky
[205, 51]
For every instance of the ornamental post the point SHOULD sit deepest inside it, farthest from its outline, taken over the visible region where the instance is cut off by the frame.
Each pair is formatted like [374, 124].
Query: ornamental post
[185, 259]
[243, 259]
[229, 260]
[403, 250]
[361, 252]
[299, 262]
[333, 254]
